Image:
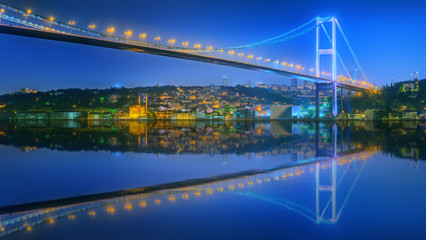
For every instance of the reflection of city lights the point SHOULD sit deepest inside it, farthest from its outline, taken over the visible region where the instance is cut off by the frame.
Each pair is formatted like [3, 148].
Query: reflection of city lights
[142, 204]
[197, 194]
[185, 196]
[172, 198]
[157, 201]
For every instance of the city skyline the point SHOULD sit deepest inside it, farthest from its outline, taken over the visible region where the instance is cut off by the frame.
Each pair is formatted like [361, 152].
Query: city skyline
[75, 66]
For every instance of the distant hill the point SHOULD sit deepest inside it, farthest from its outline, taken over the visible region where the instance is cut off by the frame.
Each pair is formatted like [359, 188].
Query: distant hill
[396, 97]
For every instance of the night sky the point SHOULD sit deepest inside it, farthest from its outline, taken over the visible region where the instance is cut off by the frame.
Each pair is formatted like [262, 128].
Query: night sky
[387, 36]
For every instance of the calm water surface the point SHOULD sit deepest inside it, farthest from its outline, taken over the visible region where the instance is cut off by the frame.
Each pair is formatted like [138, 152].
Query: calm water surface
[206, 180]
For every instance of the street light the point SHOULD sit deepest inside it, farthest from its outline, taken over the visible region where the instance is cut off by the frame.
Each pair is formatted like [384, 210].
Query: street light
[142, 36]
[71, 23]
[1, 12]
[249, 57]
[51, 19]
[110, 31]
[157, 39]
[172, 41]
[27, 14]
[241, 55]
[185, 44]
[197, 46]
[128, 34]
[92, 27]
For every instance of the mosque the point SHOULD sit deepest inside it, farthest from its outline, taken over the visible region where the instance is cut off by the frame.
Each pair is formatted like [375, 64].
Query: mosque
[138, 111]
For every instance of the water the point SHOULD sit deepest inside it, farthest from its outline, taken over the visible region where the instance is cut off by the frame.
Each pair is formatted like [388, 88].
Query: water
[207, 180]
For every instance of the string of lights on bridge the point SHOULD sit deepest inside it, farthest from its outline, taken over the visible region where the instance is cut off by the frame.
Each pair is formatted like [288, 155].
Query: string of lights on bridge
[197, 48]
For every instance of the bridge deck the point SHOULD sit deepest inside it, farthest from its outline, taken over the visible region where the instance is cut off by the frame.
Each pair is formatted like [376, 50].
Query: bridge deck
[71, 38]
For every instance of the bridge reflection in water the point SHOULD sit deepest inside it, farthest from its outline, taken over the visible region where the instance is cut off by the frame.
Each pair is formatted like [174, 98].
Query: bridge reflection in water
[317, 186]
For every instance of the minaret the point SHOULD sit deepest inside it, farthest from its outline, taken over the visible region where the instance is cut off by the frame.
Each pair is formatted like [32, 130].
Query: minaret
[146, 102]
[139, 98]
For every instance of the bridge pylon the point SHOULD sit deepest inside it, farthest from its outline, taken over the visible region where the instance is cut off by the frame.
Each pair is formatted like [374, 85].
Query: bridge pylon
[327, 51]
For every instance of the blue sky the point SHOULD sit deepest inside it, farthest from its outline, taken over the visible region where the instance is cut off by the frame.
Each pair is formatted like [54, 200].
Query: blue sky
[387, 36]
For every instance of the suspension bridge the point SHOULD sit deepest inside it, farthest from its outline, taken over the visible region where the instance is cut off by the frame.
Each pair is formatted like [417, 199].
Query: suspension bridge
[308, 53]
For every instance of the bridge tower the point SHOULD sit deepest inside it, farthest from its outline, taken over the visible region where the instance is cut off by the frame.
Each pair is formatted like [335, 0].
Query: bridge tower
[329, 51]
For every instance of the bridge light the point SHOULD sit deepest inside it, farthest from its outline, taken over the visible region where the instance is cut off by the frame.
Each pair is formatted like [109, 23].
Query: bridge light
[157, 39]
[29, 11]
[2, 10]
[172, 41]
[110, 31]
[128, 206]
[71, 23]
[51, 19]
[142, 36]
[128, 34]
[311, 69]
[197, 46]
[185, 44]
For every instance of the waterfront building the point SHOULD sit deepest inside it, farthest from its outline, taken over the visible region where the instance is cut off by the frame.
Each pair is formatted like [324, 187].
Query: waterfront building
[184, 116]
[370, 114]
[281, 112]
[139, 111]
[67, 115]
[409, 115]
[163, 115]
[245, 114]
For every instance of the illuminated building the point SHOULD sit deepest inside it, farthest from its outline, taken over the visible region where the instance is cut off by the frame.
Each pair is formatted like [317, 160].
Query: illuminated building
[245, 114]
[280, 112]
[163, 115]
[139, 111]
